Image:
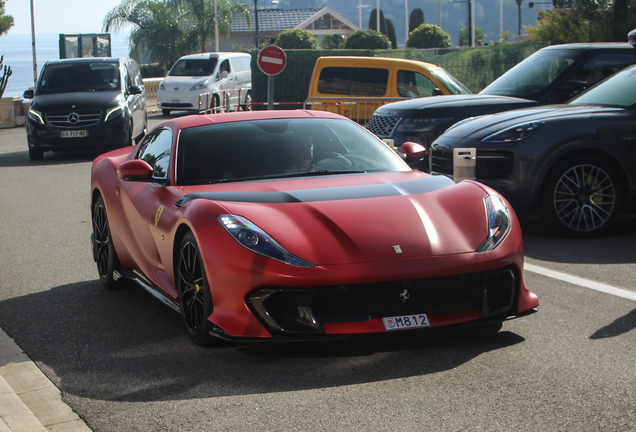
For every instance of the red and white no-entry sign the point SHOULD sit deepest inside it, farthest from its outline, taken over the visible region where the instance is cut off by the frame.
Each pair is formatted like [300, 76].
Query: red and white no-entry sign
[272, 60]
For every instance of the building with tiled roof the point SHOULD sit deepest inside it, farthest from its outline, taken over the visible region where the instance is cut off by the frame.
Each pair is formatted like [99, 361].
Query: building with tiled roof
[271, 22]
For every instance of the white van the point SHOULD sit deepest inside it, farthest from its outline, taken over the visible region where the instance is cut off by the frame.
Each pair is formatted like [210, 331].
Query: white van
[192, 75]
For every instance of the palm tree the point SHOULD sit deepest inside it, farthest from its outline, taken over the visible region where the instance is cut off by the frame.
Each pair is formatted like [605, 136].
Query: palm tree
[201, 15]
[169, 29]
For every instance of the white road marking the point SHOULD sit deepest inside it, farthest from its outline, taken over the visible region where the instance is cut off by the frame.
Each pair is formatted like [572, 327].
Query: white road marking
[608, 289]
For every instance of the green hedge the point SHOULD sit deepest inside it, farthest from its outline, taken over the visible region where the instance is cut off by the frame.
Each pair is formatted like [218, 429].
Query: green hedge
[474, 67]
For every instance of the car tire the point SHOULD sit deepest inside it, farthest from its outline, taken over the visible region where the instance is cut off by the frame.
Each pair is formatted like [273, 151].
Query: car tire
[581, 197]
[193, 288]
[103, 250]
[165, 112]
[247, 106]
[35, 154]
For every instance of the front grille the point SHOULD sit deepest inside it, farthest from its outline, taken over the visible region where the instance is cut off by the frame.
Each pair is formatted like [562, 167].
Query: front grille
[442, 162]
[382, 126]
[73, 119]
[490, 165]
[286, 310]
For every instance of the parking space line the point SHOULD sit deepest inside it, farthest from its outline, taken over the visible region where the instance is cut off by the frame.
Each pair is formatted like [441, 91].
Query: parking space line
[608, 289]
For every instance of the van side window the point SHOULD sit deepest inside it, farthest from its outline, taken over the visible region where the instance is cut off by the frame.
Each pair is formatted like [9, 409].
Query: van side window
[335, 80]
[353, 81]
[225, 64]
[414, 84]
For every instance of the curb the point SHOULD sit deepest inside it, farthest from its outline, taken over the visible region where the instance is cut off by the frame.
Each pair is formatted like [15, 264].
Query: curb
[29, 402]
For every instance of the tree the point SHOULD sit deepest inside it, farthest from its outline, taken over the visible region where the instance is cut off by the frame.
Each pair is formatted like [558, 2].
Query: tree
[169, 29]
[506, 36]
[296, 39]
[559, 27]
[416, 19]
[367, 39]
[201, 13]
[428, 36]
[391, 33]
[373, 22]
[464, 37]
[332, 41]
[156, 29]
[6, 22]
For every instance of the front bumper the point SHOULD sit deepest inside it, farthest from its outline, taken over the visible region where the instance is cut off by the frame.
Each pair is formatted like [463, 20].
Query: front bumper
[113, 133]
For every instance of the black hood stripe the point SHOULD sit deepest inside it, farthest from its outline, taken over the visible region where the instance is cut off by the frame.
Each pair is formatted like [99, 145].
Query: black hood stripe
[428, 184]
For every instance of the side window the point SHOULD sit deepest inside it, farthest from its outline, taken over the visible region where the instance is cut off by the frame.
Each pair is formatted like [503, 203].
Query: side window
[225, 65]
[156, 151]
[335, 80]
[369, 82]
[414, 84]
[594, 70]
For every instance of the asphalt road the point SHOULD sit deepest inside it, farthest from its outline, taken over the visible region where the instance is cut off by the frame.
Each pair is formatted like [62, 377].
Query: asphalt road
[123, 362]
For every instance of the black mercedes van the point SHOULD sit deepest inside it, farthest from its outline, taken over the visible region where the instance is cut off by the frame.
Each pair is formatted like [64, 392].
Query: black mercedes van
[86, 102]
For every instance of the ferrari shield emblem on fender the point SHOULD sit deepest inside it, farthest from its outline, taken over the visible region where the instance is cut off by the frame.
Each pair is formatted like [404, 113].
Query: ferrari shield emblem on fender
[397, 249]
[158, 215]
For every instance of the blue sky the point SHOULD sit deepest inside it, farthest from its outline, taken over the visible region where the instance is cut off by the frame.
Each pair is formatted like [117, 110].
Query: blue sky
[59, 16]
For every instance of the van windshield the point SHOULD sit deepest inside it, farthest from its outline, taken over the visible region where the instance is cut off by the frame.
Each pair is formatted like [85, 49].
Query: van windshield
[193, 67]
[79, 77]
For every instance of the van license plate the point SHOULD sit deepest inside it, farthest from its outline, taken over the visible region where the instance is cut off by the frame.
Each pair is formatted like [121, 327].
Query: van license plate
[74, 134]
[406, 322]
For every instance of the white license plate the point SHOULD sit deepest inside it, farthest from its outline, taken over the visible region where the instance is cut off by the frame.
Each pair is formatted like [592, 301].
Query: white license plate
[176, 100]
[406, 322]
[74, 134]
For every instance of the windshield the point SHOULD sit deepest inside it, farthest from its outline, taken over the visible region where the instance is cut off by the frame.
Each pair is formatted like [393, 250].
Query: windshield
[618, 91]
[193, 67]
[533, 74]
[280, 148]
[450, 82]
[79, 77]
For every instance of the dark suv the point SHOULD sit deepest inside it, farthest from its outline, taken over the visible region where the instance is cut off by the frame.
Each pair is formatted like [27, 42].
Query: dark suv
[551, 75]
[86, 102]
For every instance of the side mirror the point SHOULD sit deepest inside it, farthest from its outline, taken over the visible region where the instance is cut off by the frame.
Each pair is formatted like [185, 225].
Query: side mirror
[134, 90]
[223, 74]
[437, 92]
[411, 150]
[28, 94]
[135, 170]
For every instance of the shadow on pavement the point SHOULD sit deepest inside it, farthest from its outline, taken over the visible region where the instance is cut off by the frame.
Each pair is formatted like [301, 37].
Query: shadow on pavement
[126, 346]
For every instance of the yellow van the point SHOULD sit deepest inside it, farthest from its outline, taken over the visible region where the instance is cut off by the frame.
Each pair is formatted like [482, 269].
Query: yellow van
[356, 86]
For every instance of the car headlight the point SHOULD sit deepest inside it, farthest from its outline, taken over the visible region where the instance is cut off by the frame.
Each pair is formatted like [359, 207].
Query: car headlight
[162, 86]
[200, 85]
[515, 133]
[420, 124]
[498, 220]
[114, 112]
[36, 116]
[258, 241]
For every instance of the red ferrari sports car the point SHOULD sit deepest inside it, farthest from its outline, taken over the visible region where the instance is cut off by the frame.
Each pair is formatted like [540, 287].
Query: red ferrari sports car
[288, 225]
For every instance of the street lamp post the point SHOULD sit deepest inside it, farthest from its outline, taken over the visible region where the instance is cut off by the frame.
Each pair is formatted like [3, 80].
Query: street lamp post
[35, 60]
[360, 6]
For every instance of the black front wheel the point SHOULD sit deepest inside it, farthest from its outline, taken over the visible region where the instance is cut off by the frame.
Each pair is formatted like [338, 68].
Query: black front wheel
[195, 298]
[103, 249]
[582, 197]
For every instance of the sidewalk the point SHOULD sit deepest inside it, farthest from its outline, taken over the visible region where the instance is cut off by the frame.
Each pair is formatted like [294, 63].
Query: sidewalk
[29, 402]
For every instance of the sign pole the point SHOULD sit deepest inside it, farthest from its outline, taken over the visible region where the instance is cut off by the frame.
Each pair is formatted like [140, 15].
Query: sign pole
[270, 92]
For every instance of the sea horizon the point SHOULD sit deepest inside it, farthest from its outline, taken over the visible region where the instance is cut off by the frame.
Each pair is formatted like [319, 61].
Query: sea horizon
[18, 54]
